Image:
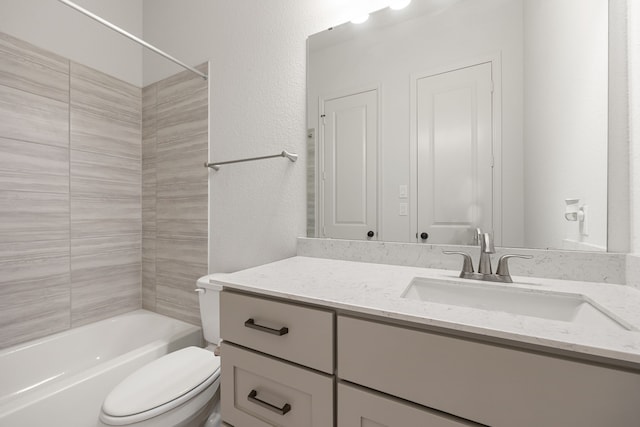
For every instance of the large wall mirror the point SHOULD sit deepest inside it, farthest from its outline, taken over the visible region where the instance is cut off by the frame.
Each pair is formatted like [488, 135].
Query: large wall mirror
[448, 116]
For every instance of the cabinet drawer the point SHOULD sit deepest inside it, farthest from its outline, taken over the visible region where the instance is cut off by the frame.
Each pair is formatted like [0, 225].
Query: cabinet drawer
[258, 391]
[300, 334]
[361, 408]
[489, 384]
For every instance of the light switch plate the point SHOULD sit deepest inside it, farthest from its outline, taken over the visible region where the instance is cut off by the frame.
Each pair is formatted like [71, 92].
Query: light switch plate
[403, 192]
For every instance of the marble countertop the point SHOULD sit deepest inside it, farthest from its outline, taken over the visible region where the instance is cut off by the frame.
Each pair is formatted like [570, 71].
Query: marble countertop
[376, 289]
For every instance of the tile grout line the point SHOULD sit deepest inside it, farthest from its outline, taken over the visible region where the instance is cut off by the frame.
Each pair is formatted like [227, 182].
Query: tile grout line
[69, 177]
[31, 92]
[155, 199]
[141, 293]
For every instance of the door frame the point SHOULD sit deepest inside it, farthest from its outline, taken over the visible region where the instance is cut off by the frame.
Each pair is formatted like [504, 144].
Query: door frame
[320, 154]
[496, 113]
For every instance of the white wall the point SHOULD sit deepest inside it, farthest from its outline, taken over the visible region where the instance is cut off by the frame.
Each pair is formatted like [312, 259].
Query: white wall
[257, 94]
[565, 114]
[468, 32]
[634, 119]
[54, 26]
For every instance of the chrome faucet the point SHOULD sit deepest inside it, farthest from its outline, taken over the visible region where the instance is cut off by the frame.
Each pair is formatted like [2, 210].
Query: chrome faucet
[484, 265]
[486, 248]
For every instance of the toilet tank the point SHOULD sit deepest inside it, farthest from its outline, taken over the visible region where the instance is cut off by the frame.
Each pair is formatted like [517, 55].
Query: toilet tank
[209, 298]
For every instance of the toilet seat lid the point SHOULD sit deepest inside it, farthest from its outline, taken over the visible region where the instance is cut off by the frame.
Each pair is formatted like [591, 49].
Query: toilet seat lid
[162, 381]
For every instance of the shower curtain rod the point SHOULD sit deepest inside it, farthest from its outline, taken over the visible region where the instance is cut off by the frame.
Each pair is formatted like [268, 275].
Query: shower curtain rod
[131, 36]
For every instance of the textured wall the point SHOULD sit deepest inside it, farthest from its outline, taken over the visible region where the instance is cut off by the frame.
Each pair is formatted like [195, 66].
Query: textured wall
[69, 194]
[633, 49]
[633, 270]
[174, 193]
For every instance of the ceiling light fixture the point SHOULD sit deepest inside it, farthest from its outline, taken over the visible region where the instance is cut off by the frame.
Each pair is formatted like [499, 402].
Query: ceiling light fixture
[399, 4]
[360, 19]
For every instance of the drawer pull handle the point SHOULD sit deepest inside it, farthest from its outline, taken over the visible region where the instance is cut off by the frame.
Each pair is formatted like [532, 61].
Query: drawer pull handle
[252, 324]
[253, 398]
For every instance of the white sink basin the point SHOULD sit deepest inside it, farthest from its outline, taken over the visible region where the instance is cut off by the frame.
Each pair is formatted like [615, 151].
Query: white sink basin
[564, 307]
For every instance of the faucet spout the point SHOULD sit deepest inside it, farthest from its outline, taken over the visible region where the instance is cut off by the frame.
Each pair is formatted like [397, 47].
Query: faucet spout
[486, 248]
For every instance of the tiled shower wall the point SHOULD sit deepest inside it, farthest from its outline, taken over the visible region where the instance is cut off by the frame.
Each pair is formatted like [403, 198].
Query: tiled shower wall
[174, 193]
[70, 184]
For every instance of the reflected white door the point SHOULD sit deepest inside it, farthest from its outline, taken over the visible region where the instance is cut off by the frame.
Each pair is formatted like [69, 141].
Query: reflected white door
[454, 140]
[349, 184]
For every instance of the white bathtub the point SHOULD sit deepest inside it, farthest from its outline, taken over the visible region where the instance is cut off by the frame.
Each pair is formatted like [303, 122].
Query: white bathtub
[61, 380]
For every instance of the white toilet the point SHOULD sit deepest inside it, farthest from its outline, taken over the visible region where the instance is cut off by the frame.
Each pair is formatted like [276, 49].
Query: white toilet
[178, 389]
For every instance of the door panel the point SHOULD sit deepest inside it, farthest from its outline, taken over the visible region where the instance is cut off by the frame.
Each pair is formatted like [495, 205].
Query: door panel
[350, 166]
[454, 139]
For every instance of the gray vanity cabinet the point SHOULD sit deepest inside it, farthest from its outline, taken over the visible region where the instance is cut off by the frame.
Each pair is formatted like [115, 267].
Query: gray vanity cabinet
[277, 363]
[293, 365]
[490, 384]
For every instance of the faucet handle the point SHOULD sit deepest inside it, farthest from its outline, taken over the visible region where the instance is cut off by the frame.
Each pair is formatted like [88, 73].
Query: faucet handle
[503, 265]
[467, 263]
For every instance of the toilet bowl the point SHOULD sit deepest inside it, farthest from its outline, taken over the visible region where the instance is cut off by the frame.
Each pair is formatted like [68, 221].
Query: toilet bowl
[176, 390]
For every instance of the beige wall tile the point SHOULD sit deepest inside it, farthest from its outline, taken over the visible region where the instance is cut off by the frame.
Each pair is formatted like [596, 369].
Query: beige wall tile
[104, 217]
[148, 286]
[149, 273]
[100, 134]
[34, 118]
[182, 85]
[180, 228]
[106, 298]
[26, 67]
[149, 149]
[182, 217]
[82, 266]
[185, 296]
[149, 111]
[30, 216]
[54, 262]
[33, 249]
[70, 220]
[100, 175]
[34, 192]
[27, 166]
[185, 167]
[170, 307]
[191, 189]
[104, 284]
[179, 264]
[46, 316]
[187, 116]
[149, 171]
[149, 249]
[174, 193]
[104, 95]
[149, 176]
[185, 251]
[10, 45]
[149, 215]
[95, 245]
[34, 292]
[185, 143]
